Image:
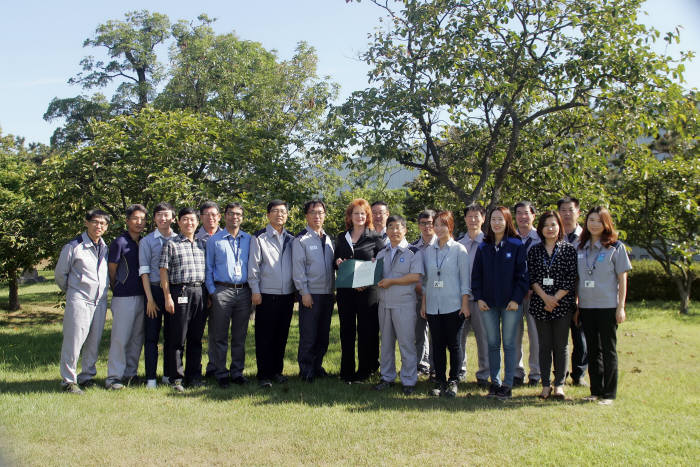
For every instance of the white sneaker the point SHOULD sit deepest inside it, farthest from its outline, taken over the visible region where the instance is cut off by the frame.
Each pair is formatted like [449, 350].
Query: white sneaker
[165, 380]
[606, 402]
[151, 384]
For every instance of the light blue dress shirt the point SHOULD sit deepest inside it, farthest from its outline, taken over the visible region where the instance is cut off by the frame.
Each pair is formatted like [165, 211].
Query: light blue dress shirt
[452, 262]
[227, 259]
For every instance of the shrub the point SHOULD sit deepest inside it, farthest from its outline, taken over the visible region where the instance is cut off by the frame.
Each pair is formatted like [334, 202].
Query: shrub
[647, 281]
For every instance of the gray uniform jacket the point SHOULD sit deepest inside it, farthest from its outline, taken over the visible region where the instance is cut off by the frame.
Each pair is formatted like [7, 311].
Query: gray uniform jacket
[269, 263]
[312, 262]
[81, 272]
[407, 260]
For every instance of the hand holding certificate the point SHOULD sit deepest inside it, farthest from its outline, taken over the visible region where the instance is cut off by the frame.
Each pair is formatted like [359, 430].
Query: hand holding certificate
[353, 273]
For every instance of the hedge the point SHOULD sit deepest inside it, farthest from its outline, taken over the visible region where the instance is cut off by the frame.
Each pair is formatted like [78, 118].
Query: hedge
[647, 281]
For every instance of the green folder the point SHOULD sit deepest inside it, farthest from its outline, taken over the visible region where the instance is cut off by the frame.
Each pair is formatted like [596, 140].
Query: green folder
[354, 273]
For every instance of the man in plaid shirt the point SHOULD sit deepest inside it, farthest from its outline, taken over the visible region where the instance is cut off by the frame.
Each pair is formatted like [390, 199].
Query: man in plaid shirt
[182, 264]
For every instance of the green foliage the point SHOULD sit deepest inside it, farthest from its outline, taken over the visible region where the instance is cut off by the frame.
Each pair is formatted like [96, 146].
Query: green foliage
[648, 281]
[657, 187]
[498, 100]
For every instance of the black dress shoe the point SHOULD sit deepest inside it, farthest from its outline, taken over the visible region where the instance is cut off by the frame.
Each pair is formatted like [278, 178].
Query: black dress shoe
[383, 385]
[408, 390]
[280, 379]
[195, 383]
[517, 382]
[482, 383]
[307, 378]
[224, 383]
[533, 382]
[321, 373]
[240, 380]
[265, 383]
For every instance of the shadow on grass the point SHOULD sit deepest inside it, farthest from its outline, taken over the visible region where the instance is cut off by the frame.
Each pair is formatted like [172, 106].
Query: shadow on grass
[34, 386]
[31, 317]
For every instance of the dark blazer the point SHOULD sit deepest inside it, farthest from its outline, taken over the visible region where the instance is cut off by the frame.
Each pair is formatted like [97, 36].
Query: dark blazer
[368, 246]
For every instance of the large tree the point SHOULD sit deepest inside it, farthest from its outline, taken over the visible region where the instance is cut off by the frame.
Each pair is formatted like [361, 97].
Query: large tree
[656, 186]
[19, 246]
[478, 93]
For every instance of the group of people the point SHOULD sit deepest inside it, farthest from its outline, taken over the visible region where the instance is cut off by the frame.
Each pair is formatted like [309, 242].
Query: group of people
[559, 277]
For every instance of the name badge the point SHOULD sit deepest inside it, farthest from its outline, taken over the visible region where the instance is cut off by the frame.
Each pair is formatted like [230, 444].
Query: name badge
[181, 300]
[547, 281]
[589, 284]
[508, 254]
[237, 270]
[601, 257]
[580, 256]
[437, 284]
[313, 247]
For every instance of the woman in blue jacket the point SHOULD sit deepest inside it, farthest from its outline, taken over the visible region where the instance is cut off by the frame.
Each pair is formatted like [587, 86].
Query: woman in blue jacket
[499, 284]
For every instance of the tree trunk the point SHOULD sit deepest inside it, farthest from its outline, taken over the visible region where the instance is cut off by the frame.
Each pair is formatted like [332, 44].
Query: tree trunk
[14, 290]
[684, 288]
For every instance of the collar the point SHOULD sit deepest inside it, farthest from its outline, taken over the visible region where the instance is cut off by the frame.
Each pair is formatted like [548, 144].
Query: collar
[87, 241]
[310, 231]
[436, 244]
[479, 238]
[401, 246]
[532, 233]
[272, 231]
[241, 233]
[156, 234]
[420, 241]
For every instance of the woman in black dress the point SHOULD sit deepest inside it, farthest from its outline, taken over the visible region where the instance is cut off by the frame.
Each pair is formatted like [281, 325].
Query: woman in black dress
[357, 308]
[553, 276]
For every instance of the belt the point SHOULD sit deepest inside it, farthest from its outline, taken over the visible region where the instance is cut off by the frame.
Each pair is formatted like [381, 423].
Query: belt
[231, 285]
[189, 284]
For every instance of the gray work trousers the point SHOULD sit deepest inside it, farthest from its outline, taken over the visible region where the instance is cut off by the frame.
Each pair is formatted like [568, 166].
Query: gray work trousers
[424, 346]
[398, 324]
[229, 307]
[83, 323]
[476, 325]
[534, 358]
[126, 341]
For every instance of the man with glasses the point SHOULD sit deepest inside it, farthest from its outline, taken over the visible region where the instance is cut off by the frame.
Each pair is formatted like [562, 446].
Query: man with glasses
[568, 208]
[423, 345]
[82, 273]
[380, 213]
[474, 216]
[210, 217]
[228, 254]
[127, 301]
[312, 267]
[270, 279]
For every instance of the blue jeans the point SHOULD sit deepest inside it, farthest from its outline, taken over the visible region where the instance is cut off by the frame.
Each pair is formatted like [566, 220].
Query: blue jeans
[492, 323]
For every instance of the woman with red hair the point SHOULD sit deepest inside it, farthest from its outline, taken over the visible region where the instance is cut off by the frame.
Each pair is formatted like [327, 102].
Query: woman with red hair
[602, 288]
[357, 308]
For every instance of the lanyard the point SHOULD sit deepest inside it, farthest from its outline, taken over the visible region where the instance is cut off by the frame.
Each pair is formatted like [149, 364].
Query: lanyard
[439, 266]
[548, 264]
[236, 247]
[589, 268]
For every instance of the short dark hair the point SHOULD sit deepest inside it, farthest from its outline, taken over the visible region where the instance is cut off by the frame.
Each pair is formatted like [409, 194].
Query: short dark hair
[93, 213]
[396, 218]
[135, 207]
[163, 207]
[546, 215]
[276, 202]
[309, 204]
[475, 207]
[525, 204]
[567, 199]
[380, 203]
[185, 211]
[425, 214]
[208, 205]
[232, 206]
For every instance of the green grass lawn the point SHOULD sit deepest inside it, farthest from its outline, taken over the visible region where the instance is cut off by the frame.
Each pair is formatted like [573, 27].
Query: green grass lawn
[655, 420]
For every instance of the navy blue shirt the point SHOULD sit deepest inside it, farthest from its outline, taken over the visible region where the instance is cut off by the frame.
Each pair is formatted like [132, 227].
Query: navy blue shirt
[124, 251]
[499, 273]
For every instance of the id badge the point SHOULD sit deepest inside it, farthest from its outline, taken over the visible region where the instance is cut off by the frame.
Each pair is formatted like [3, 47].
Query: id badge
[547, 281]
[237, 270]
[437, 284]
[589, 284]
[182, 300]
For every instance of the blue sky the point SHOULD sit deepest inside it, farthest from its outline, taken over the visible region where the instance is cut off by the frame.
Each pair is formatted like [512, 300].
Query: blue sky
[42, 42]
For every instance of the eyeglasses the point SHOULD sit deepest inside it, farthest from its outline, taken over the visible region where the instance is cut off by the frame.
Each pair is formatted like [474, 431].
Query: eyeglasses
[278, 211]
[97, 223]
[234, 213]
[426, 224]
[317, 213]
